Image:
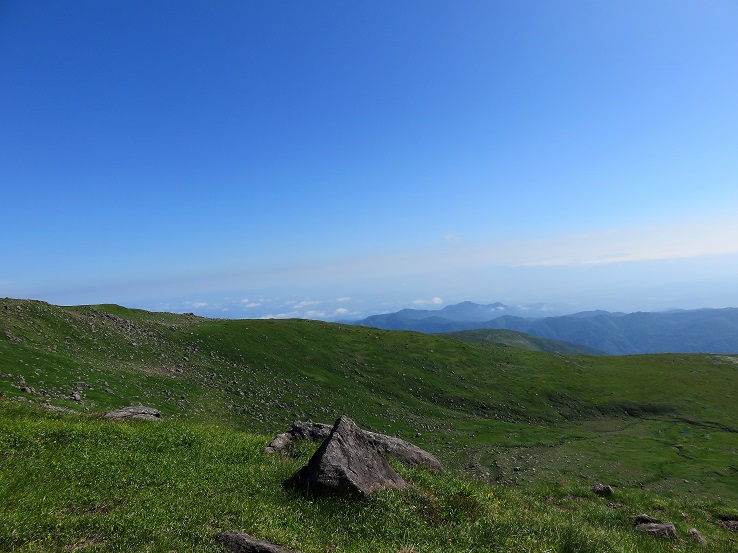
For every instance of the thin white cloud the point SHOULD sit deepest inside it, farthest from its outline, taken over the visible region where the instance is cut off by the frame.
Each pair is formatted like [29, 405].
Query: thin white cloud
[306, 303]
[341, 311]
[343, 300]
[197, 304]
[433, 301]
[453, 238]
[250, 304]
[290, 315]
[685, 240]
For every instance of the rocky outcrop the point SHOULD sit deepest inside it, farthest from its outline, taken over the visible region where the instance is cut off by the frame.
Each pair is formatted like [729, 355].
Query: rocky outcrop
[405, 452]
[238, 542]
[135, 412]
[347, 464]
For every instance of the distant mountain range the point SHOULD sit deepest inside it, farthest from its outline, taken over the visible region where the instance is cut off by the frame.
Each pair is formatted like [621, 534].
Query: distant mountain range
[684, 331]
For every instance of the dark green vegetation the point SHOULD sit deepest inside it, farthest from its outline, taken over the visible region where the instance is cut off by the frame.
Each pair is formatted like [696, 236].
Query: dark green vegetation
[696, 331]
[520, 340]
[661, 428]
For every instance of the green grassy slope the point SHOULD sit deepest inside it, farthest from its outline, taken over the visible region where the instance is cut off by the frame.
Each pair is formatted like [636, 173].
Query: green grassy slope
[659, 422]
[520, 340]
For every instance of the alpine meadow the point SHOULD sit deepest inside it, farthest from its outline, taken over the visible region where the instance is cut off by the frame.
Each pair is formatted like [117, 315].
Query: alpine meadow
[524, 436]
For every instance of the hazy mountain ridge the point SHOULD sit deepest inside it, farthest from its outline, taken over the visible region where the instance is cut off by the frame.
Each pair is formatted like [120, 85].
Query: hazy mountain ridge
[683, 331]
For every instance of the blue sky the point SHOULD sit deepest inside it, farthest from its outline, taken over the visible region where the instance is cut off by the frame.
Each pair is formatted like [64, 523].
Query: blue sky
[334, 159]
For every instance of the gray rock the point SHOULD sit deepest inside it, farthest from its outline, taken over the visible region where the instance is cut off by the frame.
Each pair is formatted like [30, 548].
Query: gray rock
[667, 530]
[56, 409]
[76, 396]
[405, 452]
[346, 464]
[309, 430]
[602, 490]
[238, 542]
[697, 536]
[644, 519]
[135, 412]
[730, 525]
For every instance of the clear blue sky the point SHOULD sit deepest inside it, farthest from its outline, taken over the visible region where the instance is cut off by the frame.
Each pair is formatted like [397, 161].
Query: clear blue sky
[332, 159]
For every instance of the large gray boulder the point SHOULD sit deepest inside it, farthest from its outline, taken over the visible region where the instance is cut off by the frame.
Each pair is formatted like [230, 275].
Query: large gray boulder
[238, 542]
[405, 452]
[347, 464]
[135, 412]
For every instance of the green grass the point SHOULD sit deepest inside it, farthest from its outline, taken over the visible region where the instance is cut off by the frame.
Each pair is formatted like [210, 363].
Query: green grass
[520, 340]
[83, 483]
[662, 428]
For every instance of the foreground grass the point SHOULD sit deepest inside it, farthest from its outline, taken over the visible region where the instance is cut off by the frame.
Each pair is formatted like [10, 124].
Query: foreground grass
[71, 482]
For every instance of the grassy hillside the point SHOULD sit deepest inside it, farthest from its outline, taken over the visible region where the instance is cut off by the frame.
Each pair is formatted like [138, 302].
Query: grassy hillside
[661, 428]
[520, 340]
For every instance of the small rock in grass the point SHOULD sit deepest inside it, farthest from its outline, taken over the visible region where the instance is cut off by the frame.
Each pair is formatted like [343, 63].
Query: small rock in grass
[602, 490]
[697, 536]
[135, 412]
[238, 542]
[666, 530]
[645, 519]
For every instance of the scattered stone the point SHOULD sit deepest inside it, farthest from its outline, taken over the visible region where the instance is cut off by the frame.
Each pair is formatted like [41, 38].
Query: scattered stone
[309, 430]
[697, 536]
[730, 525]
[76, 396]
[80, 385]
[645, 519]
[10, 336]
[27, 390]
[346, 464]
[135, 412]
[238, 542]
[667, 530]
[108, 391]
[602, 490]
[56, 409]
